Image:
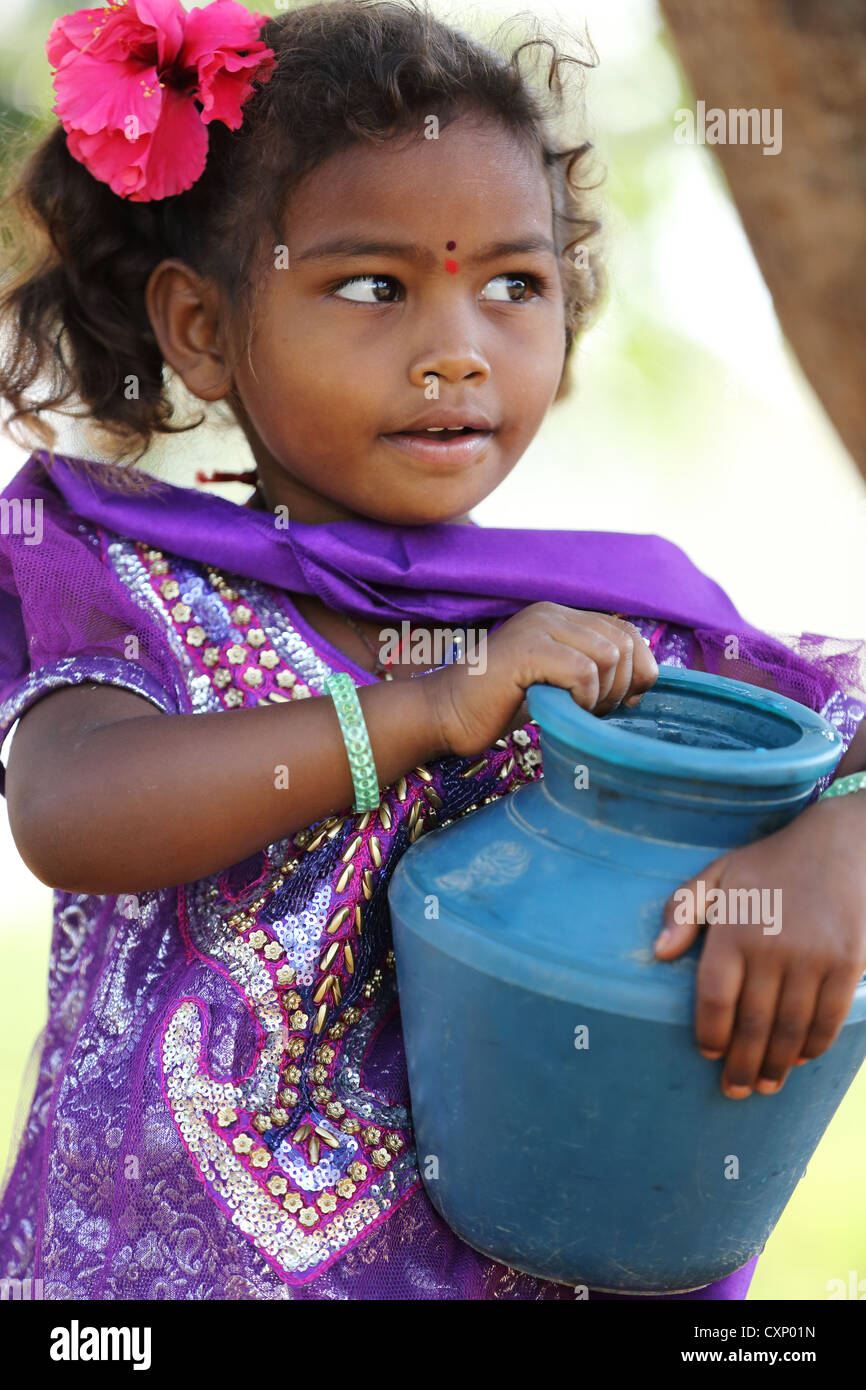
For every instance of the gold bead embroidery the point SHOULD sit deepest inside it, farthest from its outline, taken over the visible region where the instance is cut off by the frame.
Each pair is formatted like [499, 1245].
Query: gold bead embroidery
[323, 989]
[337, 919]
[344, 878]
[231, 672]
[329, 956]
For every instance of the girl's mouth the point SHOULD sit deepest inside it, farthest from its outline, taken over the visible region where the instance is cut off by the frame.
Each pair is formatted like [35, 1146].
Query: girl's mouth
[443, 446]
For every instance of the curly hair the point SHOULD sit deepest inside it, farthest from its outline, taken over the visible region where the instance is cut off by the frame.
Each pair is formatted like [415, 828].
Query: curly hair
[73, 315]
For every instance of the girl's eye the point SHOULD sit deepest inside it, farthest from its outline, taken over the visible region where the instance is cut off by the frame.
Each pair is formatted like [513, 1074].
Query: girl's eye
[377, 281]
[535, 282]
[373, 289]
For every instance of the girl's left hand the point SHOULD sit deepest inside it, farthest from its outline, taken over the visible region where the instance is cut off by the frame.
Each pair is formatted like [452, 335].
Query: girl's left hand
[771, 999]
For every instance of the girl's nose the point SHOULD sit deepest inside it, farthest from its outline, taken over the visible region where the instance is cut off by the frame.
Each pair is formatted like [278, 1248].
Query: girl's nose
[450, 367]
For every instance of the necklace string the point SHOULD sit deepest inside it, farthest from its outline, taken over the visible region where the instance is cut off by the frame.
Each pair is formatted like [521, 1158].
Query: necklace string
[382, 667]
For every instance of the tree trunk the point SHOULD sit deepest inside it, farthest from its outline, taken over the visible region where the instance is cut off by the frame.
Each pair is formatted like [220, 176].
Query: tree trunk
[803, 209]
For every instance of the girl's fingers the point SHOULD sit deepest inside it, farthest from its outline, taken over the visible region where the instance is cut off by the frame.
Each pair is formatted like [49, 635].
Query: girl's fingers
[621, 681]
[719, 981]
[831, 1010]
[602, 652]
[756, 1011]
[680, 924]
[797, 1002]
[626, 666]
[645, 671]
[630, 645]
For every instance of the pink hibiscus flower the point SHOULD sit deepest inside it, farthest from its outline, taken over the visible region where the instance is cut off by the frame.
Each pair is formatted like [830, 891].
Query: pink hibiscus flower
[138, 83]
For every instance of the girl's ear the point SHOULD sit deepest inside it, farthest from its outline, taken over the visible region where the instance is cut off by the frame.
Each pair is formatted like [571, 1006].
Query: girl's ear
[186, 315]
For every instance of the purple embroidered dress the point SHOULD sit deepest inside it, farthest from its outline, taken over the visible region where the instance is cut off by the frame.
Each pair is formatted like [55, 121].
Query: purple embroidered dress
[221, 1109]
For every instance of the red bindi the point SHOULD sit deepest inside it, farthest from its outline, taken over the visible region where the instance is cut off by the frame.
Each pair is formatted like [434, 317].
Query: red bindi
[451, 266]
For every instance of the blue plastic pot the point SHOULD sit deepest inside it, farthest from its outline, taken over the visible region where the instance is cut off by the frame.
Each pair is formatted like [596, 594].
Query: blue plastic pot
[566, 1123]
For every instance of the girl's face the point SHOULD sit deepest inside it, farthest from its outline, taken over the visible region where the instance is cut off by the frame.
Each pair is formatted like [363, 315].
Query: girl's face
[445, 276]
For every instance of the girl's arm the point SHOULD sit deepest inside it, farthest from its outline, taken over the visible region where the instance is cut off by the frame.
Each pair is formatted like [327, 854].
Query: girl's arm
[104, 797]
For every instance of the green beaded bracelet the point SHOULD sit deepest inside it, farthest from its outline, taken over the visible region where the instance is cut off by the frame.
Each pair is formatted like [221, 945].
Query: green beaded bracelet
[341, 688]
[854, 782]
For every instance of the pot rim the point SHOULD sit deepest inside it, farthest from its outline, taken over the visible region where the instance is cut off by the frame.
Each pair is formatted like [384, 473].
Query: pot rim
[814, 751]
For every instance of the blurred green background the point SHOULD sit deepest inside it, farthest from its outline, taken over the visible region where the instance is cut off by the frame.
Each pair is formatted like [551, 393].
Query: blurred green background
[690, 418]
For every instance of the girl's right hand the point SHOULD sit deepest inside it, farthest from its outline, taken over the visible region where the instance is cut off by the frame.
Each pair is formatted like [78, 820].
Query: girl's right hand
[600, 660]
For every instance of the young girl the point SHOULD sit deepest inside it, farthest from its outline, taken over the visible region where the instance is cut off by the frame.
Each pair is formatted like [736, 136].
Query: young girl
[352, 224]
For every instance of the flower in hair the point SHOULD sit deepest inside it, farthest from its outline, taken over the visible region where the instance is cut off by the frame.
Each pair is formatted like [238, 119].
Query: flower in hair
[138, 83]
